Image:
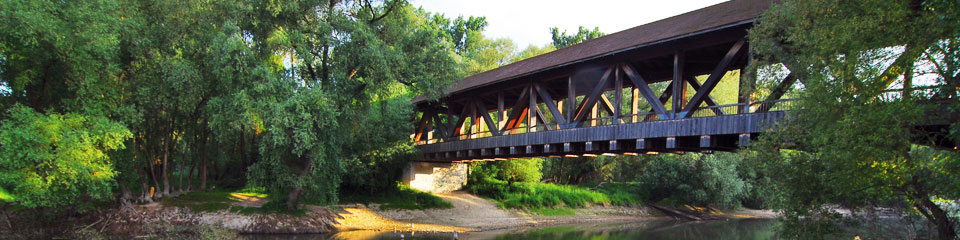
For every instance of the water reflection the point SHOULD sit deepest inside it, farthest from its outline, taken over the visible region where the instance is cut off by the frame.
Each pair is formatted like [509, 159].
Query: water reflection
[709, 230]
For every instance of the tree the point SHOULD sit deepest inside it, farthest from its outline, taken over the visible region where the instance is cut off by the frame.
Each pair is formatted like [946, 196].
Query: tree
[52, 160]
[562, 40]
[848, 145]
[520, 170]
[532, 51]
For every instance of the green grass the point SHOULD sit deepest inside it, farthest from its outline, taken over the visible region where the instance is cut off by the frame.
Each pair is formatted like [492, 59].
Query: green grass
[220, 200]
[553, 211]
[401, 197]
[550, 199]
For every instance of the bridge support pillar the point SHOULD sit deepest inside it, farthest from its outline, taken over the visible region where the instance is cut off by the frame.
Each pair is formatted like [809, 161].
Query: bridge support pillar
[671, 142]
[435, 177]
[744, 140]
[642, 144]
[613, 145]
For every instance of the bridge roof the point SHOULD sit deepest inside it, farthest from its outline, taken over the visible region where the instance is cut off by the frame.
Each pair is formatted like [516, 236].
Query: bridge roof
[700, 20]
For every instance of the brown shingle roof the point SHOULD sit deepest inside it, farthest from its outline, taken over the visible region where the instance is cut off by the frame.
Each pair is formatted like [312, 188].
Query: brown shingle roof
[707, 18]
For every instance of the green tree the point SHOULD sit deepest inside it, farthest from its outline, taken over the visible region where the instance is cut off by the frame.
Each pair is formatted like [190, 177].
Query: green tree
[532, 51]
[562, 39]
[699, 179]
[520, 170]
[53, 160]
[850, 146]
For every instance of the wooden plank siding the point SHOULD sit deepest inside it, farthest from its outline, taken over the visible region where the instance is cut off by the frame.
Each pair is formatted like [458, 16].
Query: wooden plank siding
[718, 128]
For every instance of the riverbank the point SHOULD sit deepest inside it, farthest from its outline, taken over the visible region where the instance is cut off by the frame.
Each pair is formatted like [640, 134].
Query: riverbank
[471, 213]
[468, 214]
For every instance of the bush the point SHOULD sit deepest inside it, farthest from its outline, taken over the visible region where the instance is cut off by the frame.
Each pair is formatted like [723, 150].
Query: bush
[699, 179]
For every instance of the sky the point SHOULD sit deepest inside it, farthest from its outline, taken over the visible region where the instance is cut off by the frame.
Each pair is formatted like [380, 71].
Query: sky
[528, 22]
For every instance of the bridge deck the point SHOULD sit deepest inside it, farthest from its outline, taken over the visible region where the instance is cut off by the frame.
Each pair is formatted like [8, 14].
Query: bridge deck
[723, 133]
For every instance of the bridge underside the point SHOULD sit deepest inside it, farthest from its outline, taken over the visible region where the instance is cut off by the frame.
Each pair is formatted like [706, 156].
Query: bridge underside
[719, 133]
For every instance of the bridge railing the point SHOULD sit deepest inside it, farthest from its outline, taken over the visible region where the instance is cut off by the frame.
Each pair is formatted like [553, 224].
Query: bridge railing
[931, 93]
[706, 111]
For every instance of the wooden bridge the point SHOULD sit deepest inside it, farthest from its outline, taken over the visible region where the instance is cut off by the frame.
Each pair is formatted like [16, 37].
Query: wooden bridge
[674, 85]
[642, 90]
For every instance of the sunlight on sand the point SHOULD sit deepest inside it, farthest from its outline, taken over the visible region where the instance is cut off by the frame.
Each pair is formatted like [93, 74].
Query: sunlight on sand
[364, 219]
[465, 200]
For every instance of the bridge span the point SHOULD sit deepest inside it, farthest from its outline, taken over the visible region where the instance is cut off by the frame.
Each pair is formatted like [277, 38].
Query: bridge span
[673, 85]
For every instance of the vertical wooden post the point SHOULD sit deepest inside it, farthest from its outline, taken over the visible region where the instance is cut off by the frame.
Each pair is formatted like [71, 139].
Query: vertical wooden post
[636, 104]
[560, 108]
[501, 114]
[571, 99]
[594, 113]
[474, 124]
[678, 86]
[747, 82]
[532, 116]
[618, 96]
[450, 122]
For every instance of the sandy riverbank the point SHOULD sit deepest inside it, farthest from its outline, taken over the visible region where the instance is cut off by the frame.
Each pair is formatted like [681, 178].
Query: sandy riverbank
[471, 213]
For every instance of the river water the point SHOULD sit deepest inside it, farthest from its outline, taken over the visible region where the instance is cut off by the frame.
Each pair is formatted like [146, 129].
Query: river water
[706, 230]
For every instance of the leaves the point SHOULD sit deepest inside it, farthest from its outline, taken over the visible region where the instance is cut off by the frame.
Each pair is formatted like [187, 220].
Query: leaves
[50, 160]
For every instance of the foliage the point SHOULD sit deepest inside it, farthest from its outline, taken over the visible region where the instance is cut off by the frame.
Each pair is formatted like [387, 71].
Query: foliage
[520, 170]
[849, 146]
[698, 179]
[487, 179]
[5, 196]
[533, 195]
[532, 51]
[399, 197]
[52, 160]
[562, 39]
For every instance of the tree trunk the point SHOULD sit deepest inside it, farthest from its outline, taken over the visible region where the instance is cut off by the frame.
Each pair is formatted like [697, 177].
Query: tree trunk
[940, 219]
[243, 149]
[166, 155]
[294, 197]
[190, 175]
[5, 216]
[930, 210]
[203, 161]
[144, 187]
[180, 168]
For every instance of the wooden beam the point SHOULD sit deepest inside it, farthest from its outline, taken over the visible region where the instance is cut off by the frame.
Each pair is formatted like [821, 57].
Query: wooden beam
[486, 117]
[571, 99]
[459, 125]
[714, 78]
[422, 127]
[501, 115]
[634, 104]
[644, 89]
[607, 105]
[746, 85]
[678, 86]
[709, 100]
[591, 99]
[517, 112]
[543, 119]
[778, 92]
[532, 116]
[444, 134]
[547, 100]
[617, 96]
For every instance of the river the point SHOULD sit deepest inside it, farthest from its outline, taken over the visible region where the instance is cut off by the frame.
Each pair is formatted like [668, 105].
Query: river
[706, 230]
